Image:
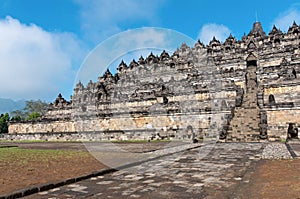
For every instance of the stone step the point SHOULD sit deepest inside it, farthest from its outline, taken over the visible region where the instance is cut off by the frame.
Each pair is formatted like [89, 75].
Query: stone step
[245, 124]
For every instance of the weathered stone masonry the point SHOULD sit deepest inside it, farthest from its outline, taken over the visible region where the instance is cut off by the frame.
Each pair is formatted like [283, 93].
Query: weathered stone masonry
[239, 90]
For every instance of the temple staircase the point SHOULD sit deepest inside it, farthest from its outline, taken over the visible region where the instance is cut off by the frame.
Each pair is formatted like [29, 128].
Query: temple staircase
[244, 126]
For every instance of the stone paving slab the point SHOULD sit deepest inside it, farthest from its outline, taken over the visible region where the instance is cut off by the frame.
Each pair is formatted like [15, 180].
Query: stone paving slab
[196, 173]
[115, 157]
[294, 149]
[120, 158]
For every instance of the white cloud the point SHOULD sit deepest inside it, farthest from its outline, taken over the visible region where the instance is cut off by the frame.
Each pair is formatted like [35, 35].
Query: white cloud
[151, 36]
[285, 19]
[208, 31]
[101, 19]
[35, 63]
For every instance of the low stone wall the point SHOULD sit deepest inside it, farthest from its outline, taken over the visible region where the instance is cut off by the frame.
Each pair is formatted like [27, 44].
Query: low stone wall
[41, 127]
[283, 94]
[278, 122]
[63, 136]
[145, 134]
[180, 126]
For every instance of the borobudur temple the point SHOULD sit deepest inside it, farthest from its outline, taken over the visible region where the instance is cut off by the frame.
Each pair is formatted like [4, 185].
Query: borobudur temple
[244, 90]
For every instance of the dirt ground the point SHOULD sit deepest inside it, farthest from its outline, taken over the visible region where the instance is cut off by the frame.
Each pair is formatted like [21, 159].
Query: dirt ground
[274, 179]
[26, 164]
[36, 163]
[21, 168]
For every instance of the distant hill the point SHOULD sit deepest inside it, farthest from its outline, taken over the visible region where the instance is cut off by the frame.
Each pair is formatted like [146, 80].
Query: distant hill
[9, 105]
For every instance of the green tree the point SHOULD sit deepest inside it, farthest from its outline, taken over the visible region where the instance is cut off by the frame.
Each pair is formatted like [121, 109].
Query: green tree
[33, 110]
[33, 116]
[18, 115]
[4, 119]
[16, 118]
[35, 106]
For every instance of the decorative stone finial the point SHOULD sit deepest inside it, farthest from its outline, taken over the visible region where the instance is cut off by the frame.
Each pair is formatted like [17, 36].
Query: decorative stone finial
[230, 40]
[151, 58]
[184, 46]
[164, 55]
[107, 75]
[257, 30]
[244, 38]
[214, 42]
[275, 31]
[141, 60]
[122, 66]
[294, 29]
[79, 86]
[123, 63]
[107, 72]
[199, 44]
[133, 64]
[90, 85]
[60, 102]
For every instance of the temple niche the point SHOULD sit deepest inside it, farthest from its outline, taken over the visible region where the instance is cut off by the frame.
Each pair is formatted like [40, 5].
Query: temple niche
[231, 91]
[292, 132]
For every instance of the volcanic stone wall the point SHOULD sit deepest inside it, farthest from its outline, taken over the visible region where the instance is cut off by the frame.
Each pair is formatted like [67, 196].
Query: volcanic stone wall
[203, 92]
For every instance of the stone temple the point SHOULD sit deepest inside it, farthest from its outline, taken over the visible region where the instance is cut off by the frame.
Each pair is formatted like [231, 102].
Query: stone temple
[240, 90]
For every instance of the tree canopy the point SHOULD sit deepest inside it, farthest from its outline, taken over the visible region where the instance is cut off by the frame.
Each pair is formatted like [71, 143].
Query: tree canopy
[4, 119]
[32, 110]
[33, 116]
[35, 106]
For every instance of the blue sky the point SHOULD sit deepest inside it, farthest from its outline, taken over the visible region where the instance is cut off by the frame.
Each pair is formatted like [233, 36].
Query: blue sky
[44, 43]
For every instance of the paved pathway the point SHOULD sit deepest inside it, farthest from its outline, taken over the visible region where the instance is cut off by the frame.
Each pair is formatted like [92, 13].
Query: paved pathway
[202, 172]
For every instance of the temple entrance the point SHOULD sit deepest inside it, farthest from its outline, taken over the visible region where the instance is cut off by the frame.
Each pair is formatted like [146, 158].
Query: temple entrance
[250, 99]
